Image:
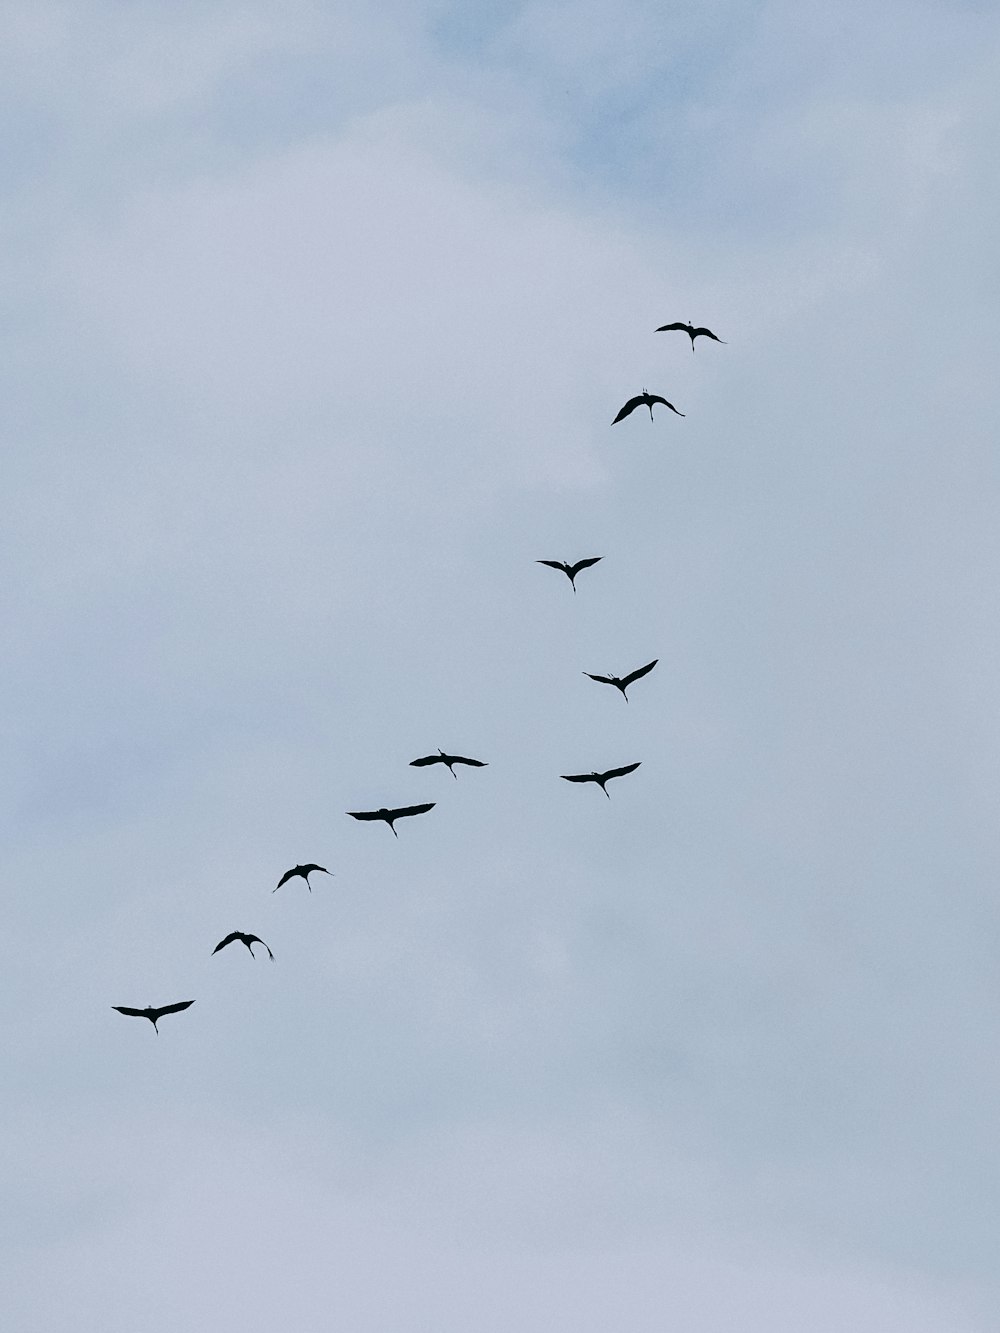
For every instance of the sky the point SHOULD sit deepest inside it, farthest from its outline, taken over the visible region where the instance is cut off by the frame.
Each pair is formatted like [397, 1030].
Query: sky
[316, 317]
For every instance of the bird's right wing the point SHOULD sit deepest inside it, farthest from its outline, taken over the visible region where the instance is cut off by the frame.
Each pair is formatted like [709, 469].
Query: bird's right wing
[553, 564]
[284, 879]
[229, 938]
[577, 777]
[630, 406]
[427, 759]
[709, 334]
[639, 672]
[256, 939]
[364, 814]
[173, 1008]
[605, 680]
[132, 1013]
[669, 328]
[655, 397]
[620, 772]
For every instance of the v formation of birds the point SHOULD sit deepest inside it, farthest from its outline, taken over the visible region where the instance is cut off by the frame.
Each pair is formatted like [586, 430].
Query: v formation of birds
[390, 815]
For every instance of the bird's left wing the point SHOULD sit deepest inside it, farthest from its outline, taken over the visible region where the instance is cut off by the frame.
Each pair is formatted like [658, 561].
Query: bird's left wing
[605, 680]
[577, 777]
[427, 759]
[669, 328]
[553, 564]
[584, 564]
[655, 398]
[620, 772]
[473, 763]
[173, 1008]
[229, 938]
[364, 814]
[412, 810]
[707, 333]
[132, 1013]
[256, 939]
[640, 672]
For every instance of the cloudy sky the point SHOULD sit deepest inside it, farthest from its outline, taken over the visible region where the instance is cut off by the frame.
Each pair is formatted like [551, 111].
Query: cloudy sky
[315, 319]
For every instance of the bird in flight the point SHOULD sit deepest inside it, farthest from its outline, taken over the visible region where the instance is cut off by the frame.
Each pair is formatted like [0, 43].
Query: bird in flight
[154, 1015]
[692, 332]
[305, 872]
[571, 571]
[623, 682]
[601, 778]
[644, 400]
[390, 816]
[450, 759]
[248, 940]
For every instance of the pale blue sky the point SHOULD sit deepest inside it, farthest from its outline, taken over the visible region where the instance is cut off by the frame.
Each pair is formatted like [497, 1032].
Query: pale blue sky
[315, 325]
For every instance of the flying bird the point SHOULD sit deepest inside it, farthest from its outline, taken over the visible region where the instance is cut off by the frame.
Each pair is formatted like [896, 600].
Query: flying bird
[601, 778]
[571, 571]
[248, 940]
[623, 682]
[644, 400]
[305, 872]
[390, 816]
[154, 1015]
[691, 331]
[450, 759]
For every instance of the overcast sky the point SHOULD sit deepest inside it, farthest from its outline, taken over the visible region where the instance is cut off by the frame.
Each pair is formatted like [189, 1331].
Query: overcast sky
[316, 316]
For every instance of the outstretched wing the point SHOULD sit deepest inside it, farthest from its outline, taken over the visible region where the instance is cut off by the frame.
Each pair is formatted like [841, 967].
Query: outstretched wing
[172, 1008]
[554, 564]
[605, 680]
[639, 672]
[229, 938]
[578, 777]
[366, 814]
[412, 810]
[630, 406]
[132, 1013]
[655, 398]
[582, 564]
[427, 759]
[256, 939]
[473, 763]
[669, 328]
[310, 868]
[620, 772]
[284, 879]
[707, 333]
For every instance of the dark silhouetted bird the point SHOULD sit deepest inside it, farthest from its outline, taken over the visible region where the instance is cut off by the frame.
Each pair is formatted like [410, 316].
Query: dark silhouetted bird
[623, 682]
[571, 571]
[248, 940]
[644, 400]
[304, 871]
[450, 759]
[691, 331]
[601, 778]
[154, 1015]
[390, 816]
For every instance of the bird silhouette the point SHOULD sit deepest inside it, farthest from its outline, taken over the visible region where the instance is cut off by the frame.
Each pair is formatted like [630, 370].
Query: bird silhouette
[571, 571]
[390, 816]
[601, 778]
[450, 759]
[644, 400]
[154, 1015]
[691, 331]
[623, 682]
[248, 940]
[304, 871]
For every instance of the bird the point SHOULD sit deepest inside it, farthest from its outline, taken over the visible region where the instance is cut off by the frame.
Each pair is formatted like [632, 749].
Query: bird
[571, 571]
[644, 400]
[450, 759]
[248, 940]
[154, 1015]
[623, 682]
[304, 871]
[601, 778]
[692, 332]
[391, 815]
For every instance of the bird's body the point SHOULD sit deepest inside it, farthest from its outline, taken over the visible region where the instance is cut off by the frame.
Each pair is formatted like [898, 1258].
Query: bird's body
[154, 1015]
[450, 759]
[390, 816]
[571, 571]
[623, 682]
[644, 399]
[601, 778]
[248, 940]
[304, 871]
[691, 332]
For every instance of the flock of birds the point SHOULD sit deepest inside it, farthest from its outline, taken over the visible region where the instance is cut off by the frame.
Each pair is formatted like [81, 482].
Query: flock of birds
[390, 816]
